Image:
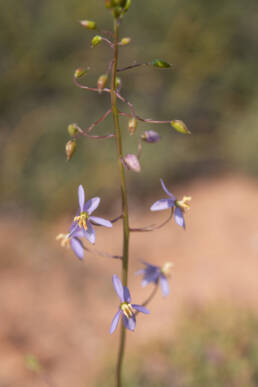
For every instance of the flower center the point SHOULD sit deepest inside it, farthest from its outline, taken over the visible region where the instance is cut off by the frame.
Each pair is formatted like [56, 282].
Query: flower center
[82, 219]
[64, 239]
[166, 268]
[127, 309]
[184, 203]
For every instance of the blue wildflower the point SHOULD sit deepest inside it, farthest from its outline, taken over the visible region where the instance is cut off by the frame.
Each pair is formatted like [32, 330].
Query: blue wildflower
[83, 220]
[178, 206]
[156, 274]
[74, 242]
[126, 309]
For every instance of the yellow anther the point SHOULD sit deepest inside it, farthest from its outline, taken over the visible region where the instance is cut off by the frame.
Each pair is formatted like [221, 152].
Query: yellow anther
[184, 203]
[166, 268]
[64, 238]
[82, 220]
[127, 309]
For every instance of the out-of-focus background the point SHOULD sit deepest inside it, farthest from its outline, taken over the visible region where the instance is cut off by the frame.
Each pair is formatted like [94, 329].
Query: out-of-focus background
[58, 309]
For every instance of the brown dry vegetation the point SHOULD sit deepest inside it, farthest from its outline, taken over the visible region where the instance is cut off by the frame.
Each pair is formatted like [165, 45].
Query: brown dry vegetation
[60, 309]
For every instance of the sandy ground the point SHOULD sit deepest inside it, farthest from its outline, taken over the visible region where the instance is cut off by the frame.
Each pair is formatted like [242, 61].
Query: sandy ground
[60, 309]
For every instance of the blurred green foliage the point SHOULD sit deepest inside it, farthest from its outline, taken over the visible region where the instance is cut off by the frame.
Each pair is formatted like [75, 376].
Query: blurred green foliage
[216, 347]
[212, 47]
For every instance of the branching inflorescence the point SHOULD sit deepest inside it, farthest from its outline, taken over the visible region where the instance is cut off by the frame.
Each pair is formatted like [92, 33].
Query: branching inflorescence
[82, 227]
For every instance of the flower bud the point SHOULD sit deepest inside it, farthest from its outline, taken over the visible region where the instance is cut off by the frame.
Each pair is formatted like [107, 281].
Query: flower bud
[96, 40]
[117, 12]
[101, 83]
[120, 3]
[180, 127]
[132, 125]
[131, 162]
[118, 82]
[109, 3]
[150, 136]
[70, 148]
[125, 41]
[89, 24]
[80, 72]
[72, 130]
[160, 64]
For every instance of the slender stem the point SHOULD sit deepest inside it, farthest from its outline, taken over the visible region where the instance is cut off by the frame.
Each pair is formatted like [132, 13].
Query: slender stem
[126, 230]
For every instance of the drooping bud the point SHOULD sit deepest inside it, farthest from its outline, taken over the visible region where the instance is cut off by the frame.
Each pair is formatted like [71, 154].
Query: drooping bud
[70, 148]
[101, 83]
[96, 40]
[150, 136]
[161, 64]
[80, 72]
[125, 41]
[131, 161]
[118, 82]
[132, 125]
[72, 130]
[180, 126]
[89, 24]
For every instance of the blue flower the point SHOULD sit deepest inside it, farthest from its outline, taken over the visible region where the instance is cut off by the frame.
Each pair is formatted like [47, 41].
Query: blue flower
[178, 206]
[74, 242]
[83, 220]
[156, 274]
[126, 310]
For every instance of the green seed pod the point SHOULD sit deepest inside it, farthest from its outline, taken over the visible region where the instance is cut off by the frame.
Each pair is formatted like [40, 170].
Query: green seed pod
[161, 64]
[118, 82]
[101, 83]
[80, 72]
[120, 3]
[96, 40]
[72, 130]
[132, 125]
[89, 24]
[70, 148]
[117, 12]
[127, 5]
[125, 41]
[180, 126]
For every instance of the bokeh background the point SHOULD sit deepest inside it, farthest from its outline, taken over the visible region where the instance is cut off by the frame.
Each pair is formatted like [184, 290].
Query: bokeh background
[58, 309]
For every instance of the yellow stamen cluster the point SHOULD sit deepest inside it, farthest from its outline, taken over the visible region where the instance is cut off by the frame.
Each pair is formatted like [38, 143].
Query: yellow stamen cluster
[64, 238]
[166, 268]
[127, 309]
[82, 220]
[184, 203]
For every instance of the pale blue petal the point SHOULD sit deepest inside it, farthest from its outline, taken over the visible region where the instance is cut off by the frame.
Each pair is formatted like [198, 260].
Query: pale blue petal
[164, 285]
[141, 309]
[100, 221]
[77, 247]
[166, 190]
[129, 323]
[179, 217]
[127, 296]
[162, 204]
[81, 197]
[115, 321]
[91, 205]
[118, 287]
[90, 233]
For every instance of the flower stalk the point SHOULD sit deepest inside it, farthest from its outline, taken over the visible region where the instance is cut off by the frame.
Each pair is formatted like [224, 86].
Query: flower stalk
[126, 230]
